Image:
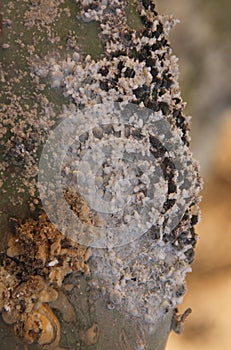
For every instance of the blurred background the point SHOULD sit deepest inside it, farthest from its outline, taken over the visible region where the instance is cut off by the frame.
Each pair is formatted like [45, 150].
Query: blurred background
[202, 41]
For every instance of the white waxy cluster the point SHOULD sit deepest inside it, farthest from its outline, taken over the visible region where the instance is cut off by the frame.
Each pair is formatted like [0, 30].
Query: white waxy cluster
[142, 270]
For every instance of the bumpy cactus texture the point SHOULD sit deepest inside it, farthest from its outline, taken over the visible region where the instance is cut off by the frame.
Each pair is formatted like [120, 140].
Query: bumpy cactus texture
[71, 57]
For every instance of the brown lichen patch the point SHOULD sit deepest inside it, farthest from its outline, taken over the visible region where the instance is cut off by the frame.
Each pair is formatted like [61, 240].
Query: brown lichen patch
[38, 248]
[23, 306]
[40, 326]
[37, 260]
[24, 297]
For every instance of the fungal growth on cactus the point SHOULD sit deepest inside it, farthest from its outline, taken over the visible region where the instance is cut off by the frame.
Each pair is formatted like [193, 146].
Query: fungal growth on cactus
[117, 195]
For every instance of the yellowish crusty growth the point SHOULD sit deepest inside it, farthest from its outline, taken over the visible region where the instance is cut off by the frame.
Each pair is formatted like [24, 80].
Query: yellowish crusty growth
[38, 258]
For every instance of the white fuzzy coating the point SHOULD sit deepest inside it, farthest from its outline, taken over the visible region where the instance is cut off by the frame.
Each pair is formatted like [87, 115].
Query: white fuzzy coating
[146, 277]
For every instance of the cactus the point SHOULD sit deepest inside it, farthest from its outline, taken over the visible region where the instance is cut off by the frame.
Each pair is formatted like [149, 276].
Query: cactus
[103, 77]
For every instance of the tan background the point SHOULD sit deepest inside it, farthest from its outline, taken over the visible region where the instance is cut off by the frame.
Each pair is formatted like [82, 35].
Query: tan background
[209, 286]
[202, 41]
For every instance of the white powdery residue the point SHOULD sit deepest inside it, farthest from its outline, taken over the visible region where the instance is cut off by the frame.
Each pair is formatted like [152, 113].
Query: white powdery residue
[157, 260]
